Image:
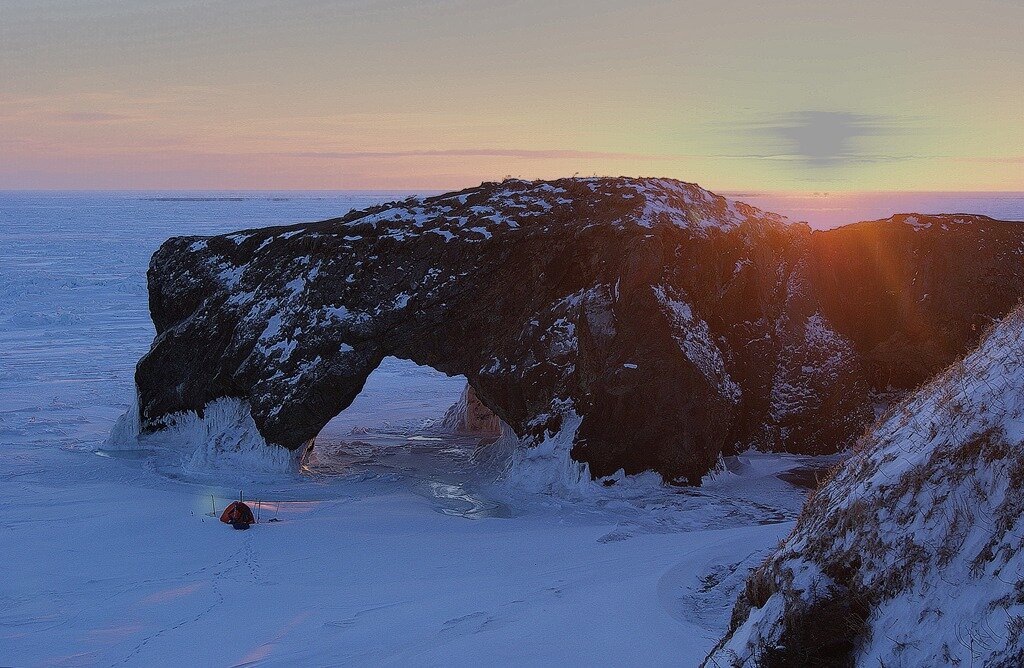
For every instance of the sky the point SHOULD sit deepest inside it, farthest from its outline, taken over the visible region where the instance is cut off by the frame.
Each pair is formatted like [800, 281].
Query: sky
[788, 95]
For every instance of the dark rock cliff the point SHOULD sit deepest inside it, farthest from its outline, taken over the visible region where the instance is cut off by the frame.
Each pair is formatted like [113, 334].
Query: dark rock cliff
[675, 323]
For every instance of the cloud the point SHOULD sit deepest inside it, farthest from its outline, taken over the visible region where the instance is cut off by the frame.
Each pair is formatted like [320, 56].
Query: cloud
[825, 139]
[89, 117]
[527, 154]
[1002, 159]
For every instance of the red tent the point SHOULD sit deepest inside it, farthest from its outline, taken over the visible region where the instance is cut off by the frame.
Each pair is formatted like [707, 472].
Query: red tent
[237, 513]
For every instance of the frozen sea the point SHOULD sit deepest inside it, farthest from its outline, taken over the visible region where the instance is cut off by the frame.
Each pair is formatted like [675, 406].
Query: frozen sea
[398, 551]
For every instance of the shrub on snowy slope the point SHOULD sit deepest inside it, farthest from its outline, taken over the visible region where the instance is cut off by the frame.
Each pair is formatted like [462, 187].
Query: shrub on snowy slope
[911, 555]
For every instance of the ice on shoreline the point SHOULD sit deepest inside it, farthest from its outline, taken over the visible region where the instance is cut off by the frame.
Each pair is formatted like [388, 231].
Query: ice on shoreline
[225, 439]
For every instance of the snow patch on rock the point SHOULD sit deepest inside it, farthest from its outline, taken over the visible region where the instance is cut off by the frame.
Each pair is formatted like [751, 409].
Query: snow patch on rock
[694, 338]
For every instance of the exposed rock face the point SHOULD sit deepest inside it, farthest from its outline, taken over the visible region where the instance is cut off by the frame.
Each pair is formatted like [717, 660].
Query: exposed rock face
[894, 301]
[910, 291]
[470, 416]
[912, 554]
[675, 323]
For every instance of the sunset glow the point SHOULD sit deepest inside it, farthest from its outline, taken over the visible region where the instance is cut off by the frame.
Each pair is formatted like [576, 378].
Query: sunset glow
[441, 94]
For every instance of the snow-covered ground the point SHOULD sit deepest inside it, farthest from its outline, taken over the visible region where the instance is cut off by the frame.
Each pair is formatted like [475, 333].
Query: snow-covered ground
[393, 548]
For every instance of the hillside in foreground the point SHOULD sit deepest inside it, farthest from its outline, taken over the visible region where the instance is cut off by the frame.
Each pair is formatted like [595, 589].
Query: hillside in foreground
[911, 555]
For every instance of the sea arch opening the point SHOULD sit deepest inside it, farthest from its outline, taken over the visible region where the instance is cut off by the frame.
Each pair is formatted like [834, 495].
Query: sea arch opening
[406, 429]
[410, 420]
[398, 397]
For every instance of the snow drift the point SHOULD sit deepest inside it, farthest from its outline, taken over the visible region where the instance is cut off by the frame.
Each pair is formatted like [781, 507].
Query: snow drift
[912, 554]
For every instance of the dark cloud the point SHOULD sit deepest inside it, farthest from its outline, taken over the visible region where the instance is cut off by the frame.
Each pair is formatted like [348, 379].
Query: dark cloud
[828, 138]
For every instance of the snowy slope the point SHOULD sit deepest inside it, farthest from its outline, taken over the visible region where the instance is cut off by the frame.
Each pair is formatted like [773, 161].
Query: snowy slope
[913, 553]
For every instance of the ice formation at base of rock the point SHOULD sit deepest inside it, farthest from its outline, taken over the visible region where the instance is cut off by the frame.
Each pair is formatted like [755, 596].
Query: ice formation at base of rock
[224, 438]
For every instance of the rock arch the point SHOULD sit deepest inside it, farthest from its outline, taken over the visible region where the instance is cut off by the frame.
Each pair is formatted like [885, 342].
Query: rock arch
[676, 324]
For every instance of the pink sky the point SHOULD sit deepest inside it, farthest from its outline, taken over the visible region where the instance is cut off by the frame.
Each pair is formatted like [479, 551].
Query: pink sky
[790, 95]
